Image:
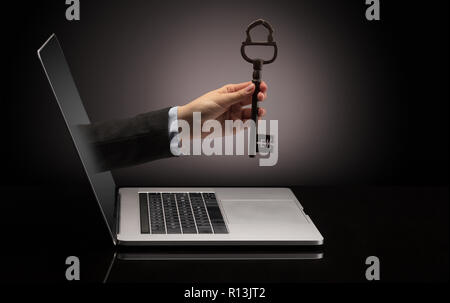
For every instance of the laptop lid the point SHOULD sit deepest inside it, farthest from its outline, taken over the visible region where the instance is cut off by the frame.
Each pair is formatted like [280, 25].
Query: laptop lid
[72, 109]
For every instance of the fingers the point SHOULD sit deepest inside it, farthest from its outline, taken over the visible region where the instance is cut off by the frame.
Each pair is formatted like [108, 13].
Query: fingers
[233, 96]
[230, 88]
[247, 113]
[261, 112]
[241, 92]
[263, 88]
[262, 95]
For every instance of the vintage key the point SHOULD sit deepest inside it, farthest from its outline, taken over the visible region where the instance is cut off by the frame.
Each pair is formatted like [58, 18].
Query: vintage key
[257, 67]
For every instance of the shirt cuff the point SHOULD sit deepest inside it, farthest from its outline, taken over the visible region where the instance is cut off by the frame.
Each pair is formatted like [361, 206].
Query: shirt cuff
[174, 136]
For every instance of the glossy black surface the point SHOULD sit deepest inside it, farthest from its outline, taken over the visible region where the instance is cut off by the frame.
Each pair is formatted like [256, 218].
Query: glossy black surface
[407, 228]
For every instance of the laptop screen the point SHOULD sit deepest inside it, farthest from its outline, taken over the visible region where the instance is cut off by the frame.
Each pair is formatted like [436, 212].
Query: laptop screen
[69, 101]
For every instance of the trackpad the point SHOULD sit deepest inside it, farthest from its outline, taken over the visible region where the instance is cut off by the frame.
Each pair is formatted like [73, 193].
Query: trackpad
[269, 216]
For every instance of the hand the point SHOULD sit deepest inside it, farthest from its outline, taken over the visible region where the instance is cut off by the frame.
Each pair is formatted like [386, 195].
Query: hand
[229, 102]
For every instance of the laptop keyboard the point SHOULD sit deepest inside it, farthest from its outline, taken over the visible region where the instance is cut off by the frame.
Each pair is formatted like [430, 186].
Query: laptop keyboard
[180, 213]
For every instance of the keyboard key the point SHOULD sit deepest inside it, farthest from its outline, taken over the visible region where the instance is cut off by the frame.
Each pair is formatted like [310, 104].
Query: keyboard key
[190, 230]
[143, 207]
[157, 222]
[171, 213]
[204, 229]
[215, 215]
[176, 213]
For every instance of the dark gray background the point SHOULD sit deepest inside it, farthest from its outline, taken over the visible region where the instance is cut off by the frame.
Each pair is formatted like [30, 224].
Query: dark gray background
[358, 102]
[147, 56]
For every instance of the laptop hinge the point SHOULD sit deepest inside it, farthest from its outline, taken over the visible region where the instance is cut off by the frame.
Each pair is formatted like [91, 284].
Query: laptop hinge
[117, 215]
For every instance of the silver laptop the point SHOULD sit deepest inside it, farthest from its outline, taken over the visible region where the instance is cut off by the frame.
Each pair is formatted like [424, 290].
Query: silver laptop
[178, 216]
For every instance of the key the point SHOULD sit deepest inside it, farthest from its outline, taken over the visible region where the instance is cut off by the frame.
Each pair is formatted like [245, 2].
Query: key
[257, 68]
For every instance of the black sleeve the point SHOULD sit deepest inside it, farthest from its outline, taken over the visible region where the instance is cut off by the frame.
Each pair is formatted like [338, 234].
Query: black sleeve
[126, 142]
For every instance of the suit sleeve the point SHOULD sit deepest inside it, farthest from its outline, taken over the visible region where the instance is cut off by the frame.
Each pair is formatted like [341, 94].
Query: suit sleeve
[131, 141]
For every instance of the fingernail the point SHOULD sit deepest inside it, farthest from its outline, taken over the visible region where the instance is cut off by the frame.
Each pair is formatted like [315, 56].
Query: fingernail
[249, 88]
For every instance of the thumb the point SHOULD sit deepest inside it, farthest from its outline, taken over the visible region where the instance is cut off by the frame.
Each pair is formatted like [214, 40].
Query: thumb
[228, 99]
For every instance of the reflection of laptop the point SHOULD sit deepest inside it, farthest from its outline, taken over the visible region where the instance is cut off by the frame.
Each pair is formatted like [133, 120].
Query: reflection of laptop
[185, 216]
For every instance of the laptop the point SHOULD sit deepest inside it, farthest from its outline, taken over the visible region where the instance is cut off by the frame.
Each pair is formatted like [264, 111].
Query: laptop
[165, 216]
